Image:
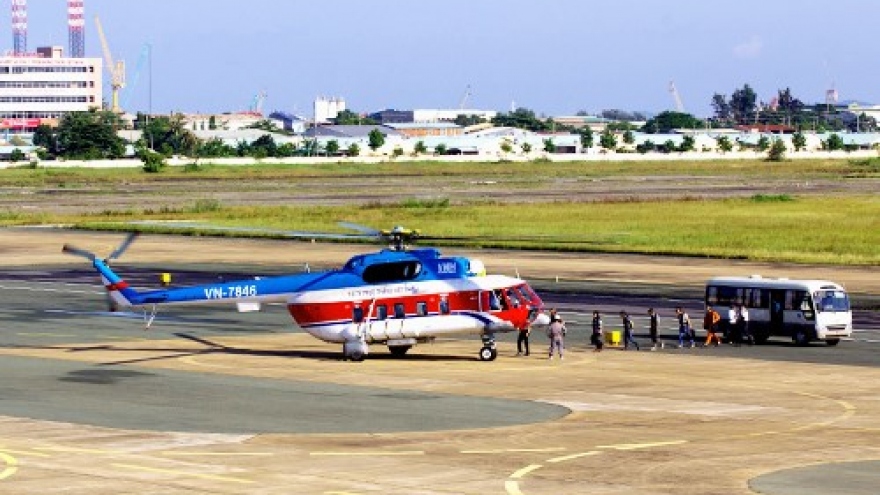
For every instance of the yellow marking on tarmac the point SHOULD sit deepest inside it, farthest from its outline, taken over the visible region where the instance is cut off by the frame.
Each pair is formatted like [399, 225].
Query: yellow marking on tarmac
[525, 471]
[11, 466]
[217, 454]
[638, 446]
[574, 456]
[512, 487]
[508, 451]
[378, 454]
[763, 433]
[183, 473]
[192, 361]
[78, 450]
[24, 453]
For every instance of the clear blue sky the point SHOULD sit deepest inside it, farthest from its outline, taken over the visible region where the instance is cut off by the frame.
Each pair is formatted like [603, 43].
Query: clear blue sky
[553, 56]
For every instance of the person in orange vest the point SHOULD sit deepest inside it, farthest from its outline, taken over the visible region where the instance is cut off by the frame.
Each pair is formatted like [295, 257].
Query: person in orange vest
[710, 325]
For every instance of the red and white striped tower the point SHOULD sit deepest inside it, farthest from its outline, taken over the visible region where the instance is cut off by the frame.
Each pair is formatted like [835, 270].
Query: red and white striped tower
[76, 25]
[19, 27]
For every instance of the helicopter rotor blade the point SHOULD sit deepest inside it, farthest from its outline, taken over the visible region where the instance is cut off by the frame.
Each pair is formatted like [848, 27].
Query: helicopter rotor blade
[124, 246]
[363, 229]
[75, 251]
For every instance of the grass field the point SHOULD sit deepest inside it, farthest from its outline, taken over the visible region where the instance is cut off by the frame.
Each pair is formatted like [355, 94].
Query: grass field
[79, 177]
[827, 228]
[834, 230]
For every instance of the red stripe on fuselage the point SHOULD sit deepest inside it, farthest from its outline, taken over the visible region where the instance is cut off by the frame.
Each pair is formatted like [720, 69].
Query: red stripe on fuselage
[122, 284]
[308, 314]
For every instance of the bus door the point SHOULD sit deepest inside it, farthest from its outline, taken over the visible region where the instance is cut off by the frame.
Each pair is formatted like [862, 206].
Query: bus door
[777, 312]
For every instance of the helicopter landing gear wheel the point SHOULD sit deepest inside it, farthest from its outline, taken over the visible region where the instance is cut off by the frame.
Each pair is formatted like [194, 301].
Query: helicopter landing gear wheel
[399, 351]
[355, 351]
[488, 354]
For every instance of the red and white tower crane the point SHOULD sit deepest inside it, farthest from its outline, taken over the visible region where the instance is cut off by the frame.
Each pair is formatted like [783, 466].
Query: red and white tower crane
[19, 27]
[76, 25]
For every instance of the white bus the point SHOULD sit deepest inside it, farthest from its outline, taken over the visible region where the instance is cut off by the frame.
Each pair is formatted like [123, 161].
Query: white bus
[804, 310]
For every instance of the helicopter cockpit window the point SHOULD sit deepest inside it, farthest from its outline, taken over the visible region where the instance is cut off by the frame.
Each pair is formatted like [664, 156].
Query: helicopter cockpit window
[513, 297]
[524, 295]
[392, 272]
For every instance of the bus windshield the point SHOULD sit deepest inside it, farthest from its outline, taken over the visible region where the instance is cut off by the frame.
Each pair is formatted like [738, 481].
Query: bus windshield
[831, 301]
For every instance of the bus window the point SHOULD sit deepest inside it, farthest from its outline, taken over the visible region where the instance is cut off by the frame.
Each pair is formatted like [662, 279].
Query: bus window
[381, 312]
[757, 298]
[724, 296]
[399, 310]
[357, 314]
[801, 300]
[444, 306]
[831, 301]
[422, 308]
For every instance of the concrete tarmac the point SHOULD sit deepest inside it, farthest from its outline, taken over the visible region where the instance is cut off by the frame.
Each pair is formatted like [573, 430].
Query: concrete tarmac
[155, 412]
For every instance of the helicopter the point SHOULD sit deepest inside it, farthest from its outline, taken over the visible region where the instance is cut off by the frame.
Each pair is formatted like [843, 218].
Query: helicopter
[399, 296]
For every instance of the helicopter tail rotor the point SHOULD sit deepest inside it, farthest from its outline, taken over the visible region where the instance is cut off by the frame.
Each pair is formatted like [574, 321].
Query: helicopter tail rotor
[115, 254]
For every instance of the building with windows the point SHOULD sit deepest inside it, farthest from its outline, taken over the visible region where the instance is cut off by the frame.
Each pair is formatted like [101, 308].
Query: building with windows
[40, 88]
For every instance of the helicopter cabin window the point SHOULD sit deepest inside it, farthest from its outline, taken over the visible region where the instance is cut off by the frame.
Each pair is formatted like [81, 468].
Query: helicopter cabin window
[422, 308]
[399, 310]
[494, 302]
[392, 272]
[357, 314]
[444, 306]
[501, 302]
[381, 312]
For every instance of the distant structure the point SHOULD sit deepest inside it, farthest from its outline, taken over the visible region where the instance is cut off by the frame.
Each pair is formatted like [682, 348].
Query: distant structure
[679, 105]
[76, 25]
[327, 109]
[19, 27]
[40, 88]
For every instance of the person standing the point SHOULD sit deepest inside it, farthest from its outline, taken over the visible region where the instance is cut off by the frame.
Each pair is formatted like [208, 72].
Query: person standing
[684, 327]
[628, 331]
[653, 322]
[744, 331]
[710, 324]
[598, 335]
[556, 333]
[733, 326]
[522, 341]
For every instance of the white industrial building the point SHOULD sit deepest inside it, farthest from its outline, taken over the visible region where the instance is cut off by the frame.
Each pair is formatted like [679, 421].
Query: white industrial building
[41, 88]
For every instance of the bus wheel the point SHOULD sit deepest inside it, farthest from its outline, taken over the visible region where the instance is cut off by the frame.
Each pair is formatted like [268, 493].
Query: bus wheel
[832, 342]
[801, 338]
[761, 338]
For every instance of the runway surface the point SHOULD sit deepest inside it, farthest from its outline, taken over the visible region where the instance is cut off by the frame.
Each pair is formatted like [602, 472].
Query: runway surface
[213, 401]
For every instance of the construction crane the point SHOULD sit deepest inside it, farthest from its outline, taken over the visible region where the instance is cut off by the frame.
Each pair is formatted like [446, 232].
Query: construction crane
[466, 98]
[115, 69]
[257, 104]
[679, 106]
